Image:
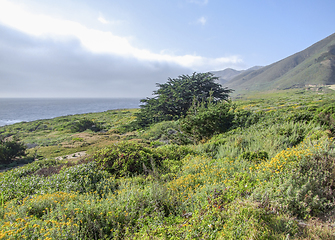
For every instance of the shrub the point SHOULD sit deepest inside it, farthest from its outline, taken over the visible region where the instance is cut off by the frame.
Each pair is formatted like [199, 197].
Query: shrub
[28, 180]
[326, 115]
[166, 132]
[244, 118]
[11, 149]
[254, 156]
[300, 180]
[309, 190]
[127, 158]
[160, 131]
[77, 139]
[299, 116]
[206, 119]
[175, 152]
[211, 147]
[84, 124]
[172, 155]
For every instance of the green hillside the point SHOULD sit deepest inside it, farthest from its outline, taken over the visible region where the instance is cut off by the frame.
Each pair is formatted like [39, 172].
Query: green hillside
[271, 175]
[312, 66]
[227, 74]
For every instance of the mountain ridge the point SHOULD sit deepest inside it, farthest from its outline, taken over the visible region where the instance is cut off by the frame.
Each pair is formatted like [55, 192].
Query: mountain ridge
[229, 73]
[314, 65]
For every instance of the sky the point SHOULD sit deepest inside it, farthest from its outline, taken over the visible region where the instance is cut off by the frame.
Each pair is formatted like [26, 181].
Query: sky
[113, 49]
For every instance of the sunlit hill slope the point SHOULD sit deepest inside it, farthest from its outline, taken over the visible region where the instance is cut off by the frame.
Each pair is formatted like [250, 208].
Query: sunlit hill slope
[312, 66]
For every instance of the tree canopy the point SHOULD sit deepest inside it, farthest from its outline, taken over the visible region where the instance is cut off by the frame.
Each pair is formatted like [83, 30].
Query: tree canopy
[10, 149]
[173, 99]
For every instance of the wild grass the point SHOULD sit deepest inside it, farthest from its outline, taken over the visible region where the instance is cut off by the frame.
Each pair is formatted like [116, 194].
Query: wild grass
[211, 190]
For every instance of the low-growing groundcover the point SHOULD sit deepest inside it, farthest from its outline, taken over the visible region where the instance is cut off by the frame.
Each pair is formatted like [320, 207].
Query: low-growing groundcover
[207, 199]
[272, 178]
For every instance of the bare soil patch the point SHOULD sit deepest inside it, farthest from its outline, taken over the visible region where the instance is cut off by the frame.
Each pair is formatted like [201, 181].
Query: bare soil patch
[72, 156]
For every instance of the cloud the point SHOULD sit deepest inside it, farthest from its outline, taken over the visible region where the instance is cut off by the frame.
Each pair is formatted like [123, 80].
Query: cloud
[103, 20]
[42, 56]
[34, 67]
[202, 21]
[96, 41]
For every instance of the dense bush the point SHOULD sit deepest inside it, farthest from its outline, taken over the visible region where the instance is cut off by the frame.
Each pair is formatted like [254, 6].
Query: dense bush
[175, 152]
[11, 149]
[127, 158]
[245, 118]
[84, 124]
[161, 131]
[166, 132]
[83, 178]
[309, 190]
[206, 119]
[172, 156]
[326, 115]
[263, 136]
[254, 156]
[299, 116]
[299, 180]
[131, 158]
[211, 147]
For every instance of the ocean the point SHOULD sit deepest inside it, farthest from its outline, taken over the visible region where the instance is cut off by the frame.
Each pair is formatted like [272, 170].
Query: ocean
[14, 110]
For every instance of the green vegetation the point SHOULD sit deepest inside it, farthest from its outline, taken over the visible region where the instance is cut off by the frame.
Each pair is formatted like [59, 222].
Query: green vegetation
[205, 120]
[84, 124]
[11, 149]
[66, 135]
[310, 68]
[326, 115]
[266, 172]
[173, 99]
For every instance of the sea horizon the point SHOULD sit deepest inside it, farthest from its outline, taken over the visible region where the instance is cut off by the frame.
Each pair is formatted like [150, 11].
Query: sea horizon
[15, 110]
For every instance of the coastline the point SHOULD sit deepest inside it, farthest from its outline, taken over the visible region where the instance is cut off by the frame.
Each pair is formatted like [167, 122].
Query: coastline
[17, 110]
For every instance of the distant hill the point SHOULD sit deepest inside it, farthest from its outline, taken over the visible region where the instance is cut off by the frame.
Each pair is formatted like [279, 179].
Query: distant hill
[227, 74]
[312, 66]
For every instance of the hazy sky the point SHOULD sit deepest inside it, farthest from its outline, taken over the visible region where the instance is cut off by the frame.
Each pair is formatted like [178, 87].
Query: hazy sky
[121, 48]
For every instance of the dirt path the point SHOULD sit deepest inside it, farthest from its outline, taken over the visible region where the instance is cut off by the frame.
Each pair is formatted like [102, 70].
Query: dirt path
[72, 155]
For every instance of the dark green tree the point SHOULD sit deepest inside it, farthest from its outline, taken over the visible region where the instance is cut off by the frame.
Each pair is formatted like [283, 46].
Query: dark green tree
[10, 149]
[173, 99]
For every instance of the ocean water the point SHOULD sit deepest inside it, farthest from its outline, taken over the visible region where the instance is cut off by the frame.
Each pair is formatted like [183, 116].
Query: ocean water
[14, 110]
